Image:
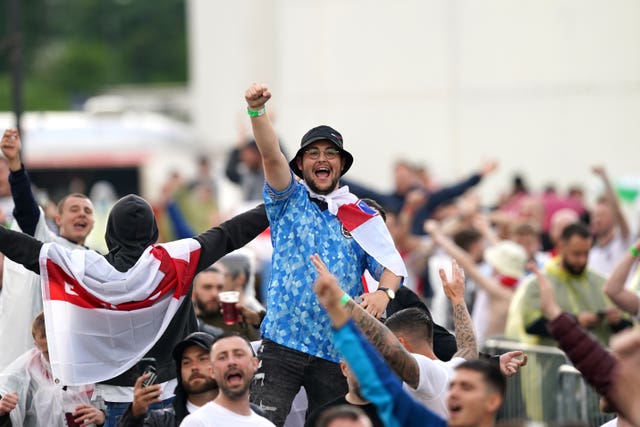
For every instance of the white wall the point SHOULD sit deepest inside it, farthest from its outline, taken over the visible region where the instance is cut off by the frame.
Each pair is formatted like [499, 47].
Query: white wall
[548, 87]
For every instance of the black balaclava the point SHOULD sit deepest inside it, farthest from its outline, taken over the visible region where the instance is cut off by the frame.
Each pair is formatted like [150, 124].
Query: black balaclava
[131, 227]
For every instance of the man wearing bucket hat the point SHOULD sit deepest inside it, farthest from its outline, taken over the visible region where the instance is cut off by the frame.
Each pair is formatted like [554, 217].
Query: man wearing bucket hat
[311, 216]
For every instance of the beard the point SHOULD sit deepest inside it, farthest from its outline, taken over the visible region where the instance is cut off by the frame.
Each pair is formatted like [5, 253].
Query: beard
[205, 310]
[235, 394]
[576, 270]
[308, 179]
[208, 385]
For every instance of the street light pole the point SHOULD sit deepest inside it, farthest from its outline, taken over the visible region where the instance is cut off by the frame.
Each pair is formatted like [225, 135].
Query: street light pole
[14, 49]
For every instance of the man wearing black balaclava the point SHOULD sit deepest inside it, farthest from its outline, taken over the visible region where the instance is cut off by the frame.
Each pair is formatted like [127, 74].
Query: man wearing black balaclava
[131, 229]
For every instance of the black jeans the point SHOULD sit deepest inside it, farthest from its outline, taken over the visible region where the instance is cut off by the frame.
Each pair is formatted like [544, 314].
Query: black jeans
[283, 371]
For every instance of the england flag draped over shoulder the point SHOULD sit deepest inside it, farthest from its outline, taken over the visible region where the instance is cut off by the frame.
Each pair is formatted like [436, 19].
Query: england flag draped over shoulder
[365, 225]
[101, 321]
[369, 230]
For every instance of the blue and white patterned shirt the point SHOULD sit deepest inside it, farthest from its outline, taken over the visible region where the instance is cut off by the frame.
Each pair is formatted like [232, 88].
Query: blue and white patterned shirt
[299, 228]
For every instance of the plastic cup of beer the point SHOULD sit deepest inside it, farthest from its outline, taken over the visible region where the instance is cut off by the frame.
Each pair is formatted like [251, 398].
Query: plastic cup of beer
[228, 301]
[70, 419]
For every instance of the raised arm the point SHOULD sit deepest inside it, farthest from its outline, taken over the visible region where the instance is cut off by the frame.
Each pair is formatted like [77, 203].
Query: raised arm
[448, 193]
[180, 225]
[602, 370]
[20, 248]
[378, 384]
[231, 235]
[548, 304]
[481, 222]
[465, 260]
[465, 335]
[276, 167]
[403, 236]
[459, 188]
[613, 199]
[25, 211]
[400, 360]
[614, 287]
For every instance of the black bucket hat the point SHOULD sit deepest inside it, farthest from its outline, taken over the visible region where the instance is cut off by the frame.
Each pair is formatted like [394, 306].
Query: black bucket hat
[322, 133]
[201, 339]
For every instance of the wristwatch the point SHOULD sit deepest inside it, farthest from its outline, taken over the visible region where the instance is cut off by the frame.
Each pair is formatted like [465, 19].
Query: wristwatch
[390, 292]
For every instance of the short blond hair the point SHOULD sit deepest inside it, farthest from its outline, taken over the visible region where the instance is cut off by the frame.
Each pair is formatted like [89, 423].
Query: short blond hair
[37, 326]
[60, 205]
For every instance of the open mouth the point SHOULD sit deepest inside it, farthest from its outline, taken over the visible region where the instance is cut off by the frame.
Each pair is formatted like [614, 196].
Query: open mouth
[454, 409]
[234, 378]
[80, 225]
[322, 172]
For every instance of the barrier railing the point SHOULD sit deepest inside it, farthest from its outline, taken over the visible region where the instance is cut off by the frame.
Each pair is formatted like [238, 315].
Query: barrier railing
[548, 390]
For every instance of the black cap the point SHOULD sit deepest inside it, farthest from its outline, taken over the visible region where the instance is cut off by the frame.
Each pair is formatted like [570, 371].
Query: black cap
[201, 339]
[322, 133]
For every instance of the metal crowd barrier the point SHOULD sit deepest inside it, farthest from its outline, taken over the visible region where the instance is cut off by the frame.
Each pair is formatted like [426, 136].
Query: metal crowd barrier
[577, 400]
[548, 390]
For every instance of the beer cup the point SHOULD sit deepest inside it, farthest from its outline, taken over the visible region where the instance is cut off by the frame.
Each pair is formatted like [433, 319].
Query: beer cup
[228, 301]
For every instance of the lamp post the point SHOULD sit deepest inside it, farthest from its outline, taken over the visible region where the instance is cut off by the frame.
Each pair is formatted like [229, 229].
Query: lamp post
[13, 44]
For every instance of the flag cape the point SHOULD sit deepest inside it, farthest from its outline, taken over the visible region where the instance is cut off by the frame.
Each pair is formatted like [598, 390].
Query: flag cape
[101, 321]
[366, 226]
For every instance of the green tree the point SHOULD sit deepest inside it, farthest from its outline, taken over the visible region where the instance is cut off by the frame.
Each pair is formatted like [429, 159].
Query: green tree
[74, 48]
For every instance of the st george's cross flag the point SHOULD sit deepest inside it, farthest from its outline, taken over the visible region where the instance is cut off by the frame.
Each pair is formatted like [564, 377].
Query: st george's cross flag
[101, 321]
[365, 225]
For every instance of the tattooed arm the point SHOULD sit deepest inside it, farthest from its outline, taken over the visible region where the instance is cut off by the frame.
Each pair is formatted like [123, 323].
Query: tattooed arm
[465, 335]
[398, 358]
[385, 341]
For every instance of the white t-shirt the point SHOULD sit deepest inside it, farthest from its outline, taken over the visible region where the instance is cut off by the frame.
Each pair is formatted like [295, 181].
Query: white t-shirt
[22, 297]
[604, 259]
[434, 382]
[213, 414]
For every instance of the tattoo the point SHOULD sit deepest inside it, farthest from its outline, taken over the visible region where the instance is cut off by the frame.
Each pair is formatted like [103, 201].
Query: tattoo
[398, 358]
[465, 335]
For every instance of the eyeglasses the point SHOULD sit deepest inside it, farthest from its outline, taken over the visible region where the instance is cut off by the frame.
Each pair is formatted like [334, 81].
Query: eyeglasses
[329, 153]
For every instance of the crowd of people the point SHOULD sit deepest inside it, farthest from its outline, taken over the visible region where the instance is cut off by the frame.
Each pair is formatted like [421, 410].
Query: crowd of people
[355, 308]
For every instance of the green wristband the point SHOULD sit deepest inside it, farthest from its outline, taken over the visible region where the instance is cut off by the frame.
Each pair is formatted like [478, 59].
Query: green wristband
[345, 299]
[634, 251]
[257, 113]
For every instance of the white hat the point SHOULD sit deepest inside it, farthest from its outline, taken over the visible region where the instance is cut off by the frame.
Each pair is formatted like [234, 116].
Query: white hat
[507, 258]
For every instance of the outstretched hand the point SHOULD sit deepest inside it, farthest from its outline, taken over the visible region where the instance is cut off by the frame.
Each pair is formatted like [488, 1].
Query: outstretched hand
[329, 293]
[511, 362]
[11, 146]
[488, 167]
[257, 95]
[144, 396]
[454, 289]
[326, 285]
